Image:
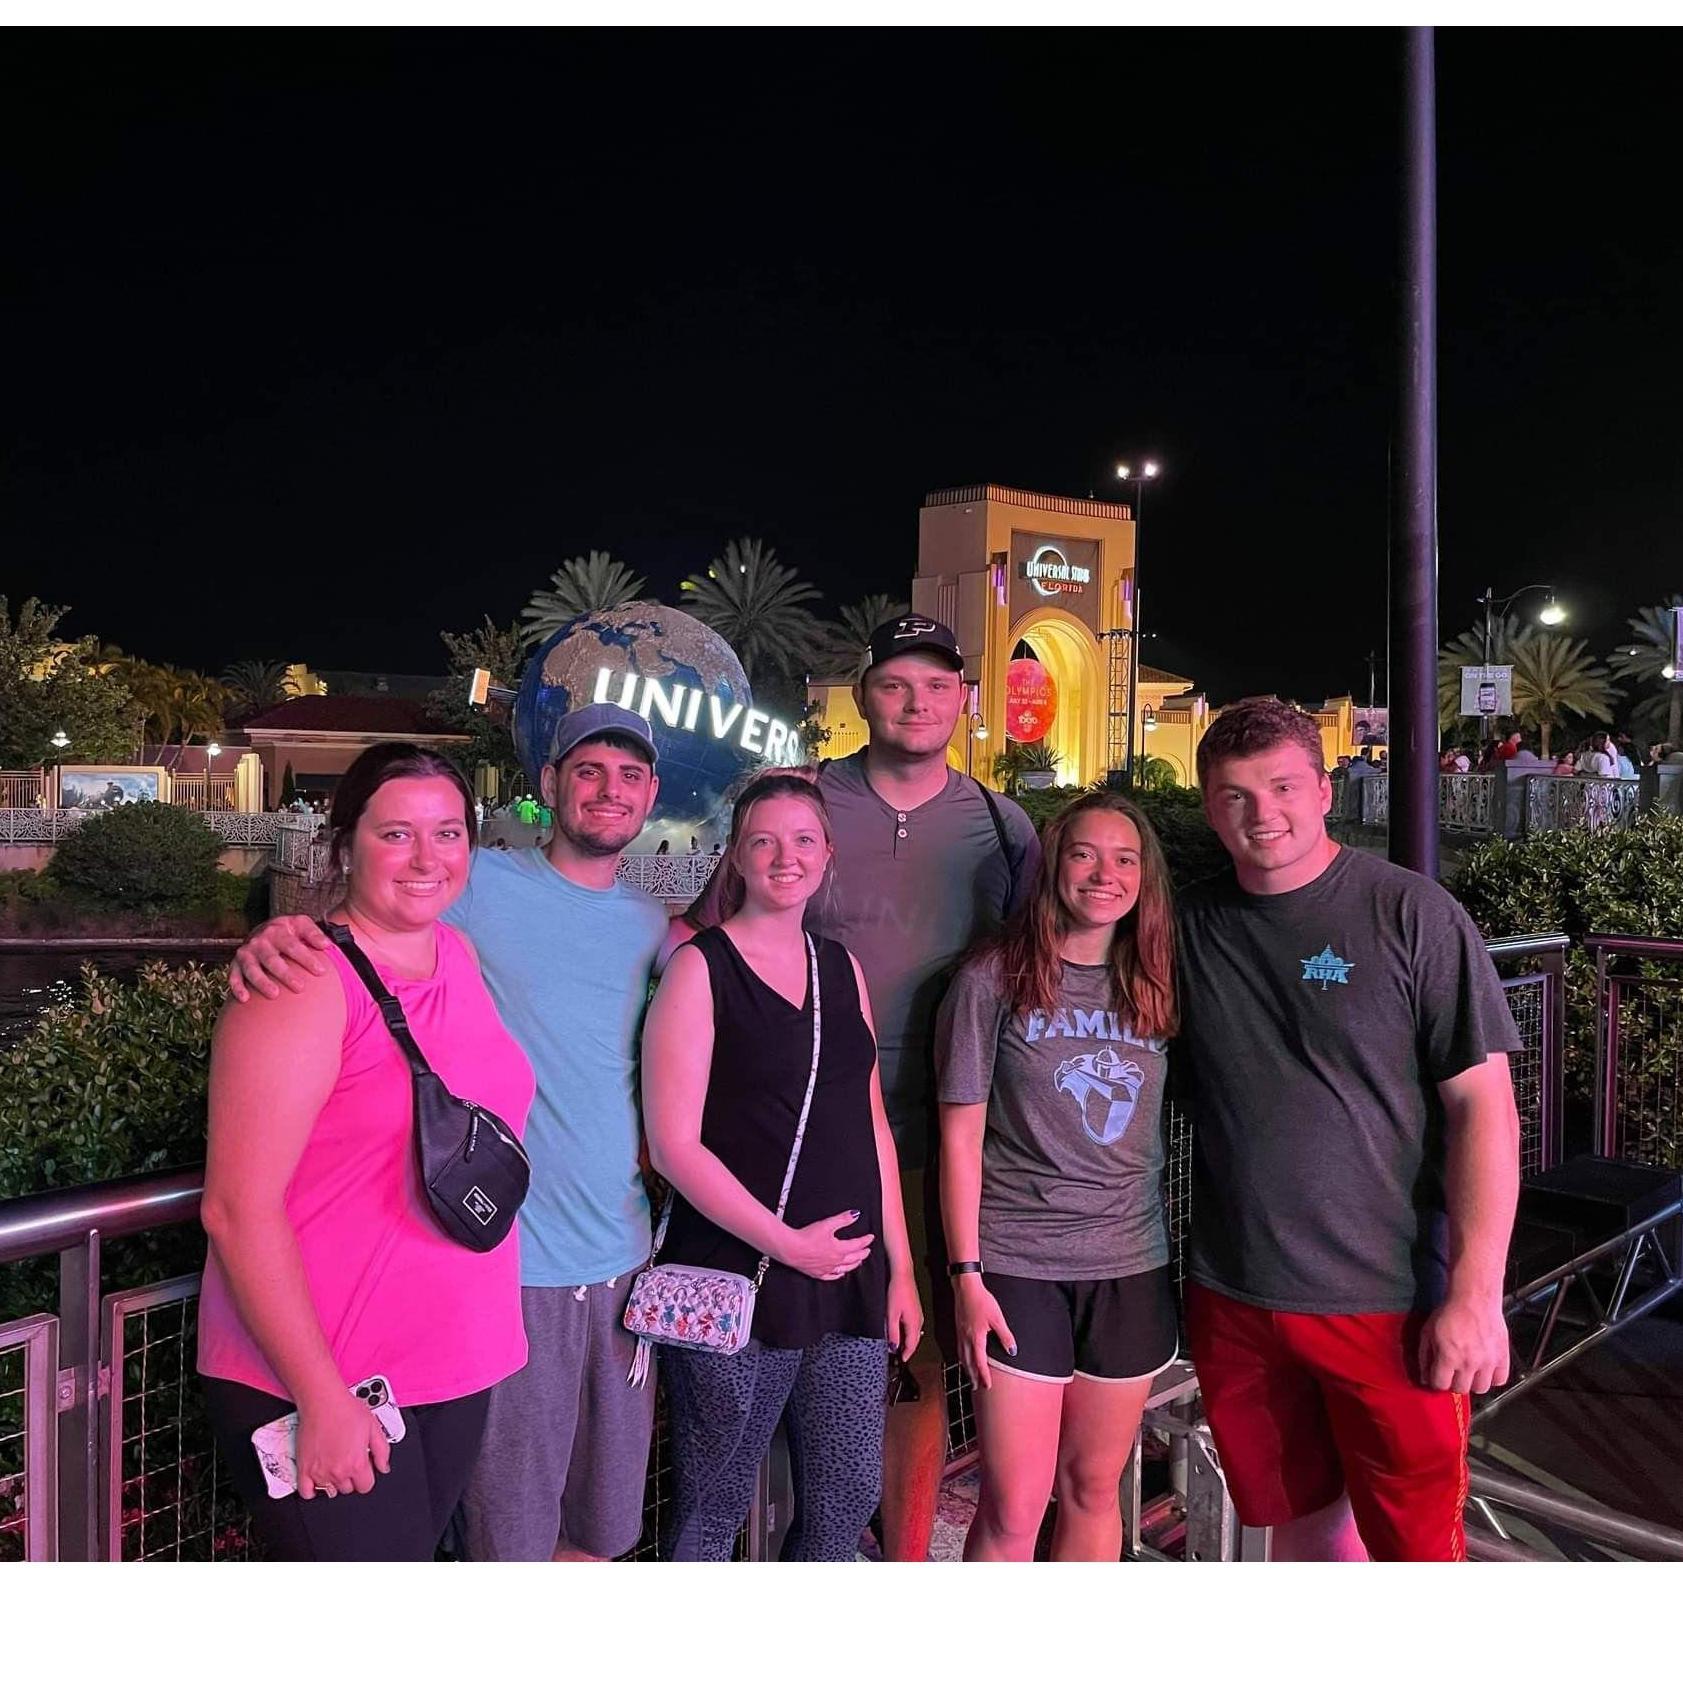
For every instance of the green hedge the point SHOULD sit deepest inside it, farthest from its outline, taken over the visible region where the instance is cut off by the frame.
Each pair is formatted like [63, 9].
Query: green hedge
[111, 1083]
[148, 857]
[1601, 882]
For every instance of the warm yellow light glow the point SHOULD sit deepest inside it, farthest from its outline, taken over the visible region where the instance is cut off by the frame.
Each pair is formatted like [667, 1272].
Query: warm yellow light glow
[1551, 612]
[1122, 471]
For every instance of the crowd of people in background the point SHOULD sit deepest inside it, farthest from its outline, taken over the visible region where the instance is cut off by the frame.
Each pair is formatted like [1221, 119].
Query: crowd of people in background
[905, 1067]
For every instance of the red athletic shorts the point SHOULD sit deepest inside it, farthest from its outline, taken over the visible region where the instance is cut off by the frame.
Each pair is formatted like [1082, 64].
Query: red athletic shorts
[1304, 1407]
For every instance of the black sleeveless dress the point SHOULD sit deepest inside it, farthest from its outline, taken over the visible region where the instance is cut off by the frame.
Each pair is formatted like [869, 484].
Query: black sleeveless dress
[762, 1053]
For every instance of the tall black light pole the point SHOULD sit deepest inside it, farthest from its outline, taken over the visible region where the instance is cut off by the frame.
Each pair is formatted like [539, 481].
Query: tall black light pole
[1414, 498]
[1138, 480]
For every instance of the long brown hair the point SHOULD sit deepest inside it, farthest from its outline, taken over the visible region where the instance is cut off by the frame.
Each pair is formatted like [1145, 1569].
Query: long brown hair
[1142, 951]
[725, 891]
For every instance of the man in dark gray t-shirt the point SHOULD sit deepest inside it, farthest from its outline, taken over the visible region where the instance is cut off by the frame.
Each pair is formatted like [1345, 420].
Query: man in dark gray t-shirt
[1355, 1163]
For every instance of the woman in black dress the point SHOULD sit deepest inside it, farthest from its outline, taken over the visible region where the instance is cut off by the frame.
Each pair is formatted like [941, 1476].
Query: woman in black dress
[727, 1060]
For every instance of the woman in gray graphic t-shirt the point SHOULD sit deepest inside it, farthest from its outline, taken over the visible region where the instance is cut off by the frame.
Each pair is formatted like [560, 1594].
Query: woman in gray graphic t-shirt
[1050, 1060]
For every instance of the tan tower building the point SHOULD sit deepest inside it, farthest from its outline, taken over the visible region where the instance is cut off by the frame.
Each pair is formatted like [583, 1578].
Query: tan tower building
[1006, 568]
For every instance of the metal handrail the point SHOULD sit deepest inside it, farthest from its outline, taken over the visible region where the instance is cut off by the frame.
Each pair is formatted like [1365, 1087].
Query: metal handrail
[43, 1223]
[1587, 1519]
[1508, 947]
[1635, 946]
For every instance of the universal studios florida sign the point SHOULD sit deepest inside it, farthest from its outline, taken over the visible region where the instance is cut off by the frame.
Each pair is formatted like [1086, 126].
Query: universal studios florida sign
[683, 707]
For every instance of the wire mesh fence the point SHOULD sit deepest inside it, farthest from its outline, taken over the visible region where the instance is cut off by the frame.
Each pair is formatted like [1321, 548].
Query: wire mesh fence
[14, 1448]
[1646, 1080]
[1525, 1002]
[172, 1498]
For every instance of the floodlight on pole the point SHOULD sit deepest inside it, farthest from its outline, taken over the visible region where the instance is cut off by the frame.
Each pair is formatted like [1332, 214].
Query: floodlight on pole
[1150, 470]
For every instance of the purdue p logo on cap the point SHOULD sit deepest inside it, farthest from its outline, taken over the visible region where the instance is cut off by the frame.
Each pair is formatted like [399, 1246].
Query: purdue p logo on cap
[909, 632]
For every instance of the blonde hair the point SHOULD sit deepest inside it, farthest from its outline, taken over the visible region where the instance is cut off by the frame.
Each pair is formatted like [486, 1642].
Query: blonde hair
[726, 889]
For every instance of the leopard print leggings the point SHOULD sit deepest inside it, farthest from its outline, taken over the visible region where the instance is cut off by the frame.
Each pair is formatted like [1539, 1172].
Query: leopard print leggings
[722, 1412]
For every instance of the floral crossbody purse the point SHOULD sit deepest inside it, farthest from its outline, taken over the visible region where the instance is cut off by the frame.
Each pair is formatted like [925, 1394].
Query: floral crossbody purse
[710, 1308]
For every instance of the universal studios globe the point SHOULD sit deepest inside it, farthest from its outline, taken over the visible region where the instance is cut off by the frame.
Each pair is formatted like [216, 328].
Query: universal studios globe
[685, 679]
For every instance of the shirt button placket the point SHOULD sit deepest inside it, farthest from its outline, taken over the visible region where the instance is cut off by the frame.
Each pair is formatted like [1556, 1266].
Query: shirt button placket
[901, 832]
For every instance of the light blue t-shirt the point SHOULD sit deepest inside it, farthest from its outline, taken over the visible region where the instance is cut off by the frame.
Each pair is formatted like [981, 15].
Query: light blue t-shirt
[569, 970]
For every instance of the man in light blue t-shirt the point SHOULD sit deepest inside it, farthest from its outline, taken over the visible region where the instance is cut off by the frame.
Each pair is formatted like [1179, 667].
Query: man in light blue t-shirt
[566, 950]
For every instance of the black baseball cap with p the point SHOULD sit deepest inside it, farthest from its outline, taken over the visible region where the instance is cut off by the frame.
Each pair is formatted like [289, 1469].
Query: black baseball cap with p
[908, 633]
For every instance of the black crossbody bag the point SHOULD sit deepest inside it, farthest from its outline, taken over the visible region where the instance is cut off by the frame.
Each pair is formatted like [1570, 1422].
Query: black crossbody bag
[474, 1172]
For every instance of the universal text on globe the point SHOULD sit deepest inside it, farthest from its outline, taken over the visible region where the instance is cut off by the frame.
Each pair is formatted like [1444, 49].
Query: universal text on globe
[682, 707]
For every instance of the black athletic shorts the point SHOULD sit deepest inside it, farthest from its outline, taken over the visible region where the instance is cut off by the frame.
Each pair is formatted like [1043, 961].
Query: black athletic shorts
[1088, 1329]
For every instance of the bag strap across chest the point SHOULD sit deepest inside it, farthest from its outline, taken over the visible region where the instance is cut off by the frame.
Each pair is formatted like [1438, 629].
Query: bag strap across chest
[800, 1126]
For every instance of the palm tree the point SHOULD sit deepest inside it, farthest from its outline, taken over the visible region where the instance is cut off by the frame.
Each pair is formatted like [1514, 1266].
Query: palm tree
[256, 684]
[585, 585]
[1647, 660]
[848, 638]
[1468, 650]
[1555, 676]
[758, 606]
[152, 696]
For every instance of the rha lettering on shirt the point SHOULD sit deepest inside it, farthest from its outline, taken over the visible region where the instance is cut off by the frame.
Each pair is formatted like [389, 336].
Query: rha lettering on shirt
[1085, 1025]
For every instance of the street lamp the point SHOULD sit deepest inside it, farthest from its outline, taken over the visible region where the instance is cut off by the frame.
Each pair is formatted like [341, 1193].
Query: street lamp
[213, 749]
[975, 728]
[1148, 471]
[1551, 613]
[59, 740]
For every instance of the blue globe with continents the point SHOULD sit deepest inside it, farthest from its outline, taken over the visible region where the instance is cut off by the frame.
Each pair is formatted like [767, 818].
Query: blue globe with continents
[685, 679]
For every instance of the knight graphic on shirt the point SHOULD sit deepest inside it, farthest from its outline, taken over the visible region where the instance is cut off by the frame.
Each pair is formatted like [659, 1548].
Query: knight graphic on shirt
[1072, 1155]
[1113, 1081]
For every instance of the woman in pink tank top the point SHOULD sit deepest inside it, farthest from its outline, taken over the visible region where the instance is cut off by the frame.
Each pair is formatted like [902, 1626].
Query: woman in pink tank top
[326, 1267]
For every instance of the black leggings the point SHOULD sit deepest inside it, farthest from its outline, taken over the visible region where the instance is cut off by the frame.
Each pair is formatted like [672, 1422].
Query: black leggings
[402, 1518]
[722, 1412]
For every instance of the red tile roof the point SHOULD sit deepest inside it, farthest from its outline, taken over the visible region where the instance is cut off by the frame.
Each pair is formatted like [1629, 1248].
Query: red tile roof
[385, 715]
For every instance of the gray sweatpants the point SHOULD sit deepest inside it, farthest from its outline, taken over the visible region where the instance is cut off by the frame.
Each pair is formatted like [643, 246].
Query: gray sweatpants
[565, 1454]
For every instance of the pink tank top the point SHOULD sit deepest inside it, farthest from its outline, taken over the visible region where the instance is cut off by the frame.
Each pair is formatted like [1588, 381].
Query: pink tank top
[394, 1295]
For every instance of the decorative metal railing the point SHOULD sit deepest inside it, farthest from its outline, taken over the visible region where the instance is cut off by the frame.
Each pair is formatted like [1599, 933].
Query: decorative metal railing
[1466, 801]
[1472, 802]
[1578, 803]
[47, 825]
[675, 877]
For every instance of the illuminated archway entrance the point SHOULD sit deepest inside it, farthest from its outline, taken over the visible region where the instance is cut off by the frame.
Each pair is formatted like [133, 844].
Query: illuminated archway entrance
[1073, 658]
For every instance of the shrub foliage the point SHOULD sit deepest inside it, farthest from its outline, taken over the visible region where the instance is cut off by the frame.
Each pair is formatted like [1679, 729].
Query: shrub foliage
[148, 856]
[1600, 882]
[110, 1083]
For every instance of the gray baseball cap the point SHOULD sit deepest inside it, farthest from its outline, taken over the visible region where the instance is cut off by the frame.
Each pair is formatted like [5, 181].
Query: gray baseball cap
[601, 718]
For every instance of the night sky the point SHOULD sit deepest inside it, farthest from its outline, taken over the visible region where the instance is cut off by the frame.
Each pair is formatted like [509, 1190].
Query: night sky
[319, 342]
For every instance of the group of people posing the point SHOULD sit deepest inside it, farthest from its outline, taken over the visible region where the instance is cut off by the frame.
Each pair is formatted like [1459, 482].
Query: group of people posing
[962, 1036]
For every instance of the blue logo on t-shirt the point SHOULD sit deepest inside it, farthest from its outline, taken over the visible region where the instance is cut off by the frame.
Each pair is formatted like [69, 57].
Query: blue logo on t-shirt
[1326, 966]
[1117, 1082]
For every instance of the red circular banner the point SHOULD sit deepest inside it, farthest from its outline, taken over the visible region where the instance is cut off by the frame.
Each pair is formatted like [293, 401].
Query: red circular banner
[1031, 701]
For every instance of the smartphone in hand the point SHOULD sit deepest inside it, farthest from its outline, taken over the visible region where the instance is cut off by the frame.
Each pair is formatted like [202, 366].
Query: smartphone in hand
[277, 1442]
